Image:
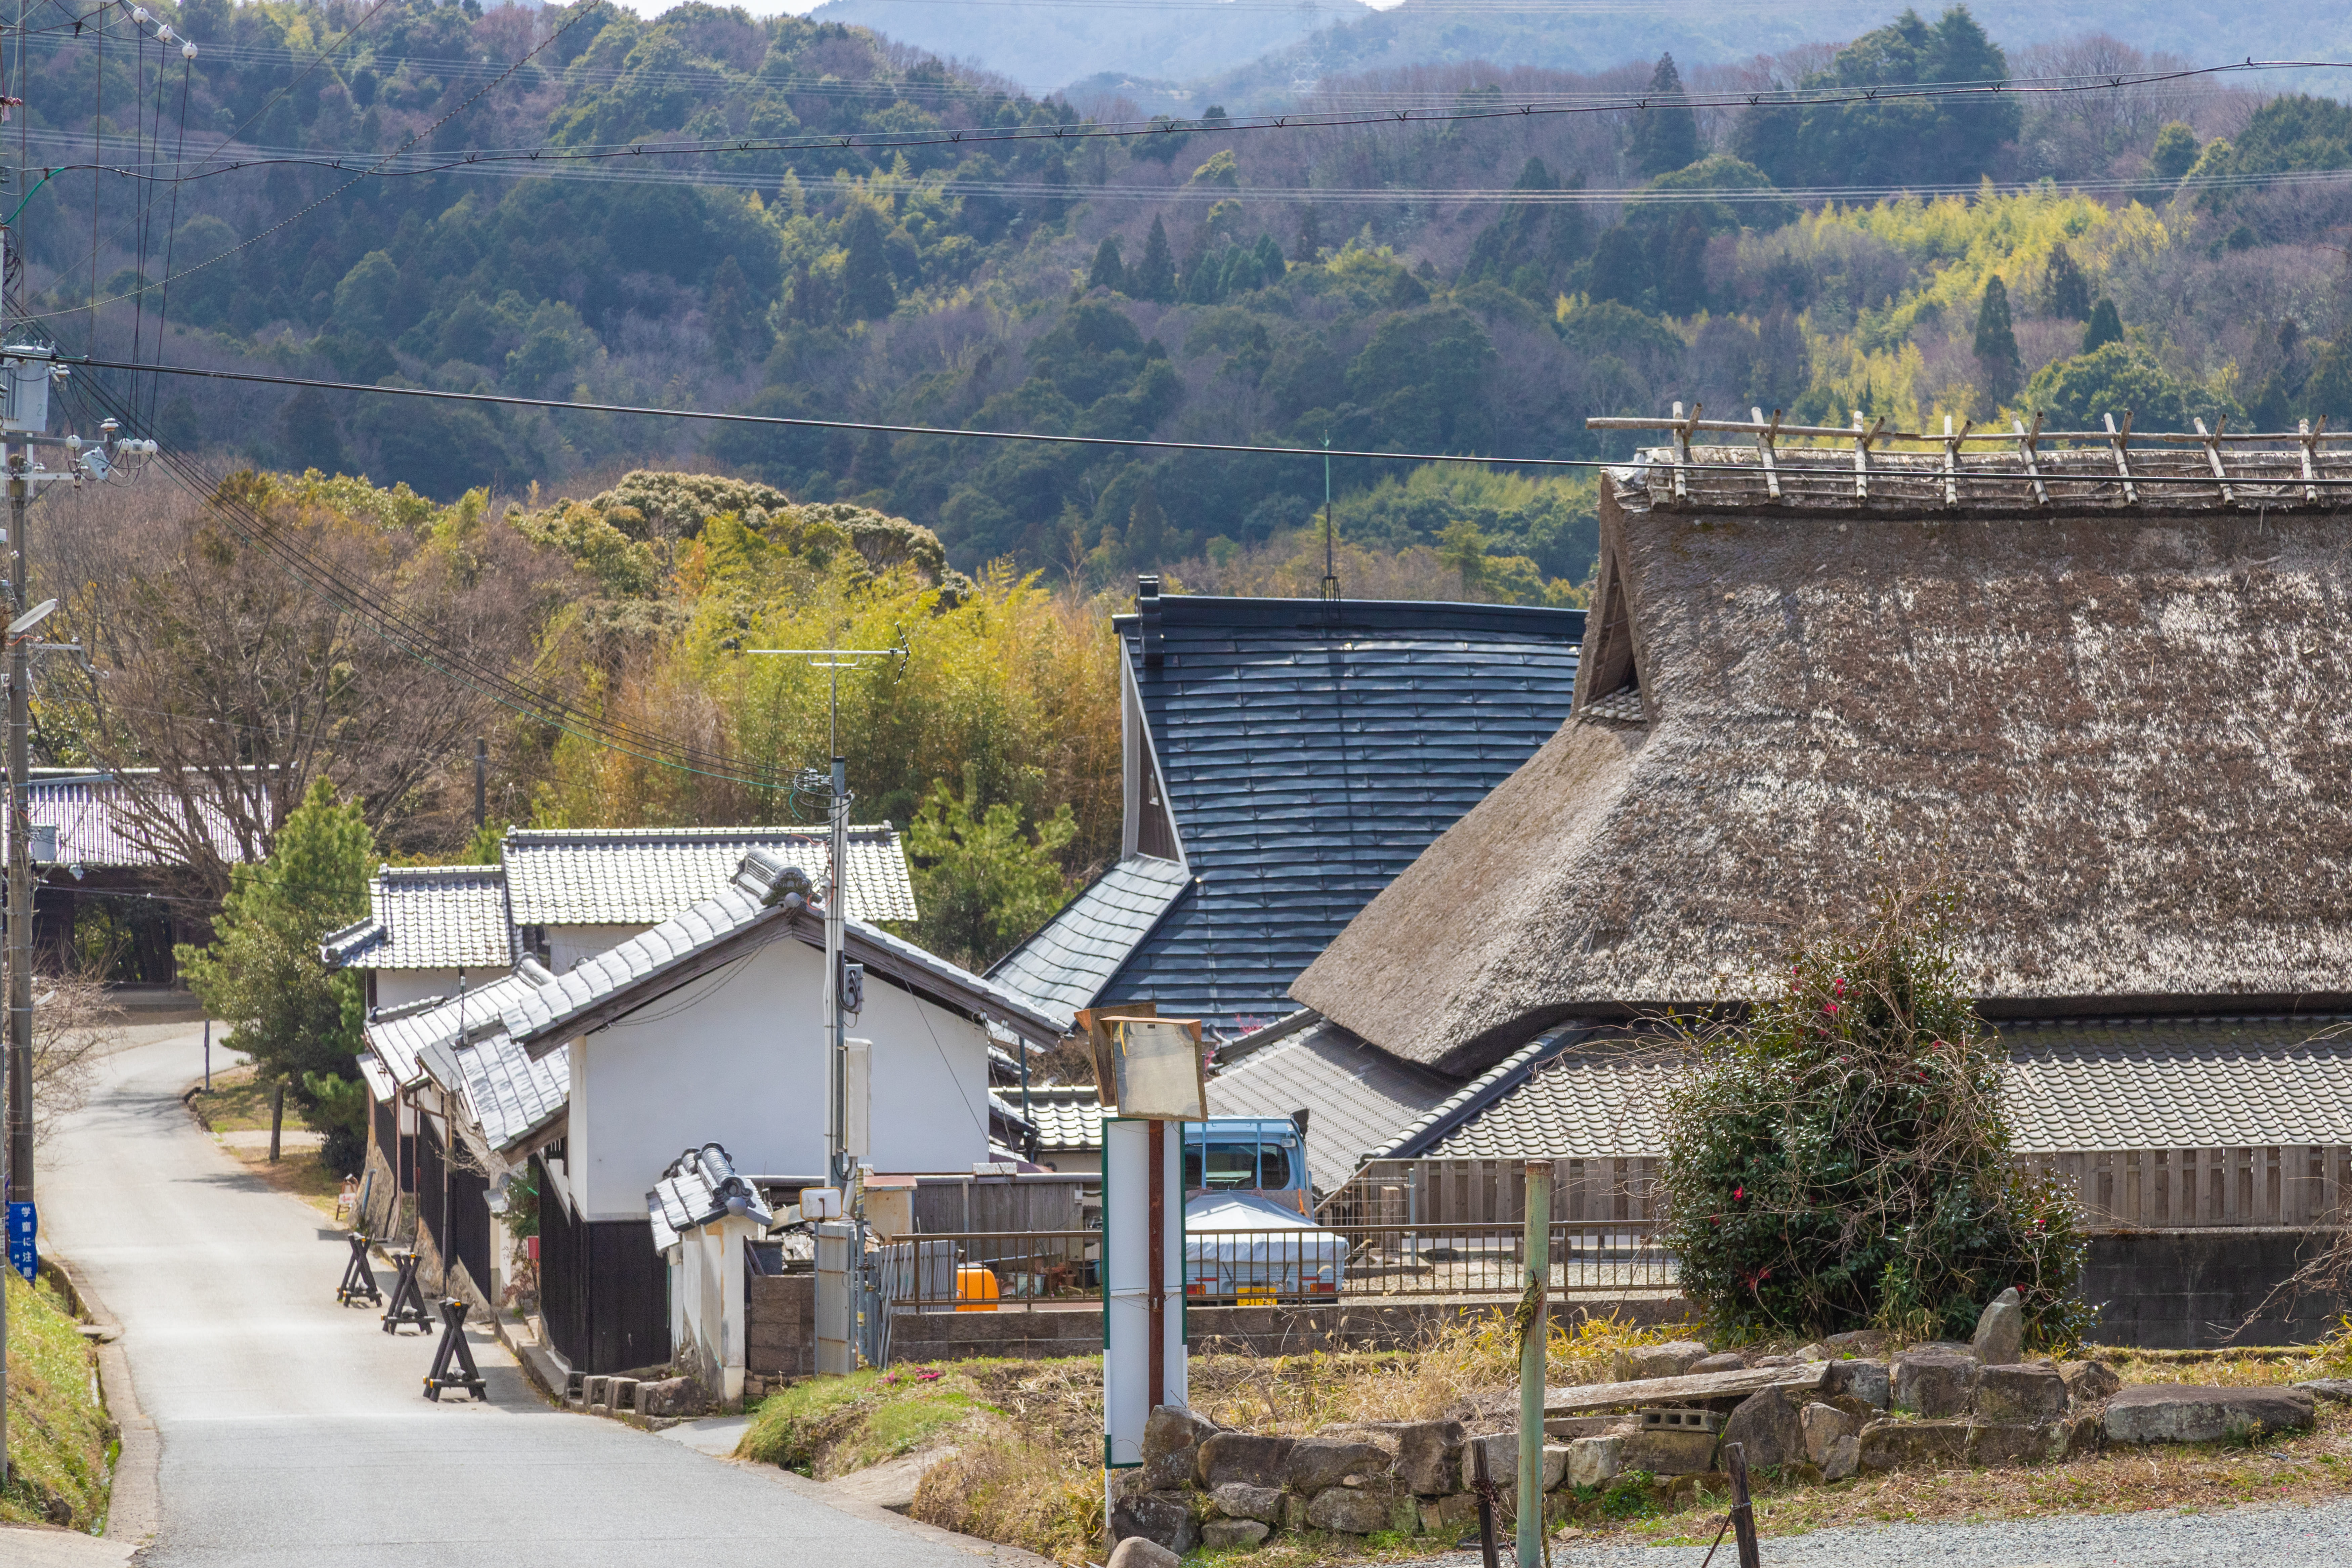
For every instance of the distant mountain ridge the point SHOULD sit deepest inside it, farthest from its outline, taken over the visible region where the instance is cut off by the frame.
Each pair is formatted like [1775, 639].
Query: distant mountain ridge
[1257, 54]
[1045, 45]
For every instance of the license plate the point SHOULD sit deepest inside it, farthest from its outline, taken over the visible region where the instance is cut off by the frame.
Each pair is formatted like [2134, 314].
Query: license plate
[1255, 1298]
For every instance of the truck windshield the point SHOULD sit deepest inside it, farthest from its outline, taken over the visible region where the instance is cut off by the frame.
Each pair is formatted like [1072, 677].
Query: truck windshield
[1232, 1164]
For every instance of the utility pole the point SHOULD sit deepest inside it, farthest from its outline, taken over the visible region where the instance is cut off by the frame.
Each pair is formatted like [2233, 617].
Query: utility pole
[834, 783]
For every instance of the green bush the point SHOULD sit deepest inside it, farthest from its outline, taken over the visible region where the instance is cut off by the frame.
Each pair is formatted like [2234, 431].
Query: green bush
[1839, 1158]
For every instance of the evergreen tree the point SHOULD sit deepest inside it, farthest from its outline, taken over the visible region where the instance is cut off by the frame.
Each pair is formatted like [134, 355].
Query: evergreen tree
[1310, 238]
[867, 291]
[2174, 152]
[738, 326]
[1680, 267]
[2106, 327]
[1620, 270]
[1147, 527]
[1996, 343]
[1108, 272]
[1155, 275]
[261, 974]
[1666, 134]
[2069, 290]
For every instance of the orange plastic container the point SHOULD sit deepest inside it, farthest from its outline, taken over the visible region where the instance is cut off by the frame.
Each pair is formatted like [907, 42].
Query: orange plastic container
[975, 1289]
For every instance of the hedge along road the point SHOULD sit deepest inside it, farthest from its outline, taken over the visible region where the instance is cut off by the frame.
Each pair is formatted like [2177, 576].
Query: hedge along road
[295, 1432]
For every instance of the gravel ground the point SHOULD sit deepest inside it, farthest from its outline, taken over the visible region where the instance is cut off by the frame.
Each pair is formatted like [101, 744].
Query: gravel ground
[2257, 1536]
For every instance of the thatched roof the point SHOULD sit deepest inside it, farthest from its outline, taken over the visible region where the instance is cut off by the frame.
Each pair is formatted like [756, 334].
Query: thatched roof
[2126, 735]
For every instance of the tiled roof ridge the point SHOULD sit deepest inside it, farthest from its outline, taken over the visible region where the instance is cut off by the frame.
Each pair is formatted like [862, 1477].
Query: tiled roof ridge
[816, 831]
[2172, 1020]
[487, 874]
[1243, 612]
[1480, 1091]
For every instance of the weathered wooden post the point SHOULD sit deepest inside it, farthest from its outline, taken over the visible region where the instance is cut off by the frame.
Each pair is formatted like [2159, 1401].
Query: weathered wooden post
[1536, 1330]
[276, 1116]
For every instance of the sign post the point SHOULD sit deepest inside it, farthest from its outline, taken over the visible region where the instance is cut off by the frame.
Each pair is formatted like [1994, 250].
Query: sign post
[23, 1230]
[1151, 1079]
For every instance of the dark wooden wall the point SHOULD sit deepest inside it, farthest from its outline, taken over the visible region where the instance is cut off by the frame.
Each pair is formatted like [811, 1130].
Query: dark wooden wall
[602, 1290]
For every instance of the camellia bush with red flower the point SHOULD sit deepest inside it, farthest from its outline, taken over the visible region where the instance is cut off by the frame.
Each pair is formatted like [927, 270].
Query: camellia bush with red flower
[1837, 1158]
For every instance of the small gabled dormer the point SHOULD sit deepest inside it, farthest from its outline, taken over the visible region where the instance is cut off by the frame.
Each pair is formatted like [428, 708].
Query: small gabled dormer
[1609, 675]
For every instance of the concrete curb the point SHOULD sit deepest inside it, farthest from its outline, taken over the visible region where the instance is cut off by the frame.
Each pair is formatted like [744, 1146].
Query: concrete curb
[818, 1491]
[135, 1503]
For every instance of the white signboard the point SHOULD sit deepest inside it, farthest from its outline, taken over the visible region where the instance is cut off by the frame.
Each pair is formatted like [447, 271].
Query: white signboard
[1127, 1281]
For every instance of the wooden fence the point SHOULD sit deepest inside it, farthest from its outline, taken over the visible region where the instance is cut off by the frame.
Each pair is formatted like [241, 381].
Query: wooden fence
[2292, 1186]
[2287, 1186]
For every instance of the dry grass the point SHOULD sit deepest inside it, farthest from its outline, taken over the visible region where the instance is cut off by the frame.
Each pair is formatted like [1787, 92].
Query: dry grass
[238, 1103]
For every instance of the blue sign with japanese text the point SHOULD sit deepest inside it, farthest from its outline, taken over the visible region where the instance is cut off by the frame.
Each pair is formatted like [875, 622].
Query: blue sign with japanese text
[23, 1226]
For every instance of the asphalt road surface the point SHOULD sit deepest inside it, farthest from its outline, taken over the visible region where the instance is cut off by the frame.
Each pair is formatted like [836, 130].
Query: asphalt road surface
[294, 1432]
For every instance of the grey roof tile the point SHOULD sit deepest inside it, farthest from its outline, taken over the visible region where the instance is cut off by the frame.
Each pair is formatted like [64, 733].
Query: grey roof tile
[694, 1190]
[2069, 1086]
[640, 875]
[97, 826]
[1310, 751]
[428, 917]
[544, 1012]
[1068, 1117]
[399, 1037]
[1067, 963]
[1357, 1099]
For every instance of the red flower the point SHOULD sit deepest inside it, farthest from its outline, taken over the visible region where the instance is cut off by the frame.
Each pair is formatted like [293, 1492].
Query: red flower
[1833, 1006]
[1737, 1194]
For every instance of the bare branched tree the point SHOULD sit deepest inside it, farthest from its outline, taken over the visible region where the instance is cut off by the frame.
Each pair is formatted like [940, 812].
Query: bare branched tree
[237, 683]
[74, 1024]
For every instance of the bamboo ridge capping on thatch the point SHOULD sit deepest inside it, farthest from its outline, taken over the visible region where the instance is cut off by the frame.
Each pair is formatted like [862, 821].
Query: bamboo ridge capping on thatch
[2027, 466]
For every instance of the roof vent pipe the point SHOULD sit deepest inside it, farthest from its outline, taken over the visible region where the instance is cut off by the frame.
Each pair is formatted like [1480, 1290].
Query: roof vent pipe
[1147, 604]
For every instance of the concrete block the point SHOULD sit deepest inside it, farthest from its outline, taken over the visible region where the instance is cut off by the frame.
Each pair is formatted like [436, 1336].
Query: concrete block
[1934, 1383]
[2035, 1392]
[1670, 1453]
[620, 1394]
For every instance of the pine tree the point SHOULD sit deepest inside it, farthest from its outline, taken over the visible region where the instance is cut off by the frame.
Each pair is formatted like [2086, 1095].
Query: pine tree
[1108, 272]
[2106, 327]
[2068, 288]
[1155, 275]
[738, 326]
[1996, 344]
[1666, 134]
[1679, 266]
[867, 291]
[1620, 270]
[1310, 238]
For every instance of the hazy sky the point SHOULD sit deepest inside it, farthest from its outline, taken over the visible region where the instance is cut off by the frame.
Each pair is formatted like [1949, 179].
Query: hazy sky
[801, 8]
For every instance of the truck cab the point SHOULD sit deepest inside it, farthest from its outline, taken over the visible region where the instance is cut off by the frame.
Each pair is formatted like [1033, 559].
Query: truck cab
[1259, 1156]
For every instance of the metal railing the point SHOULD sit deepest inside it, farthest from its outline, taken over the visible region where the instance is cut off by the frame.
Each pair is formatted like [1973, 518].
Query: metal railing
[1004, 1270]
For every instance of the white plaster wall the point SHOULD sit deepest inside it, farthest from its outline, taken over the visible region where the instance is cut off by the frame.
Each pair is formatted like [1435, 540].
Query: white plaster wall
[398, 987]
[736, 1058]
[567, 945]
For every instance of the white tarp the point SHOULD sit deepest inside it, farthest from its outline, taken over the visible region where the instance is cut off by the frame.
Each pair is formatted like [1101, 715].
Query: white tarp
[1236, 1245]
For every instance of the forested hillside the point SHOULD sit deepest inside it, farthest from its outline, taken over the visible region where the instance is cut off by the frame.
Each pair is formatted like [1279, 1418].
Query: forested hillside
[1476, 286]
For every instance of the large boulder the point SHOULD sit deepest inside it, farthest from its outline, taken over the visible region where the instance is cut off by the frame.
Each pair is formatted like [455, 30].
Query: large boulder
[1318, 1464]
[1349, 1510]
[1913, 1445]
[1595, 1461]
[1824, 1424]
[1770, 1429]
[2089, 1382]
[1141, 1552]
[2334, 1390]
[1163, 1517]
[2033, 1391]
[1241, 1456]
[1722, 1361]
[1239, 1499]
[1219, 1534]
[1865, 1380]
[1429, 1457]
[2000, 1339]
[1171, 1437]
[1858, 1342]
[1935, 1383]
[2164, 1413]
[1658, 1361]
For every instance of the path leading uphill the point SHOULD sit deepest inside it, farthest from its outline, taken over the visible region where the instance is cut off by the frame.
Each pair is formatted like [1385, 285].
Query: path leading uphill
[293, 1432]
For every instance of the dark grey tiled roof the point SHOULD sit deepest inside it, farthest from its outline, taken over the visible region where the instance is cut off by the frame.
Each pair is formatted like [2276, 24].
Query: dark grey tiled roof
[398, 1036]
[1357, 1099]
[428, 917]
[694, 1190]
[2211, 1083]
[1311, 751]
[1067, 964]
[2069, 1086]
[642, 876]
[635, 967]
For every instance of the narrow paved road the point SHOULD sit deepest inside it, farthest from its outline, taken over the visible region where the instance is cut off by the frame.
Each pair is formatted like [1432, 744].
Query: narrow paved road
[293, 1431]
